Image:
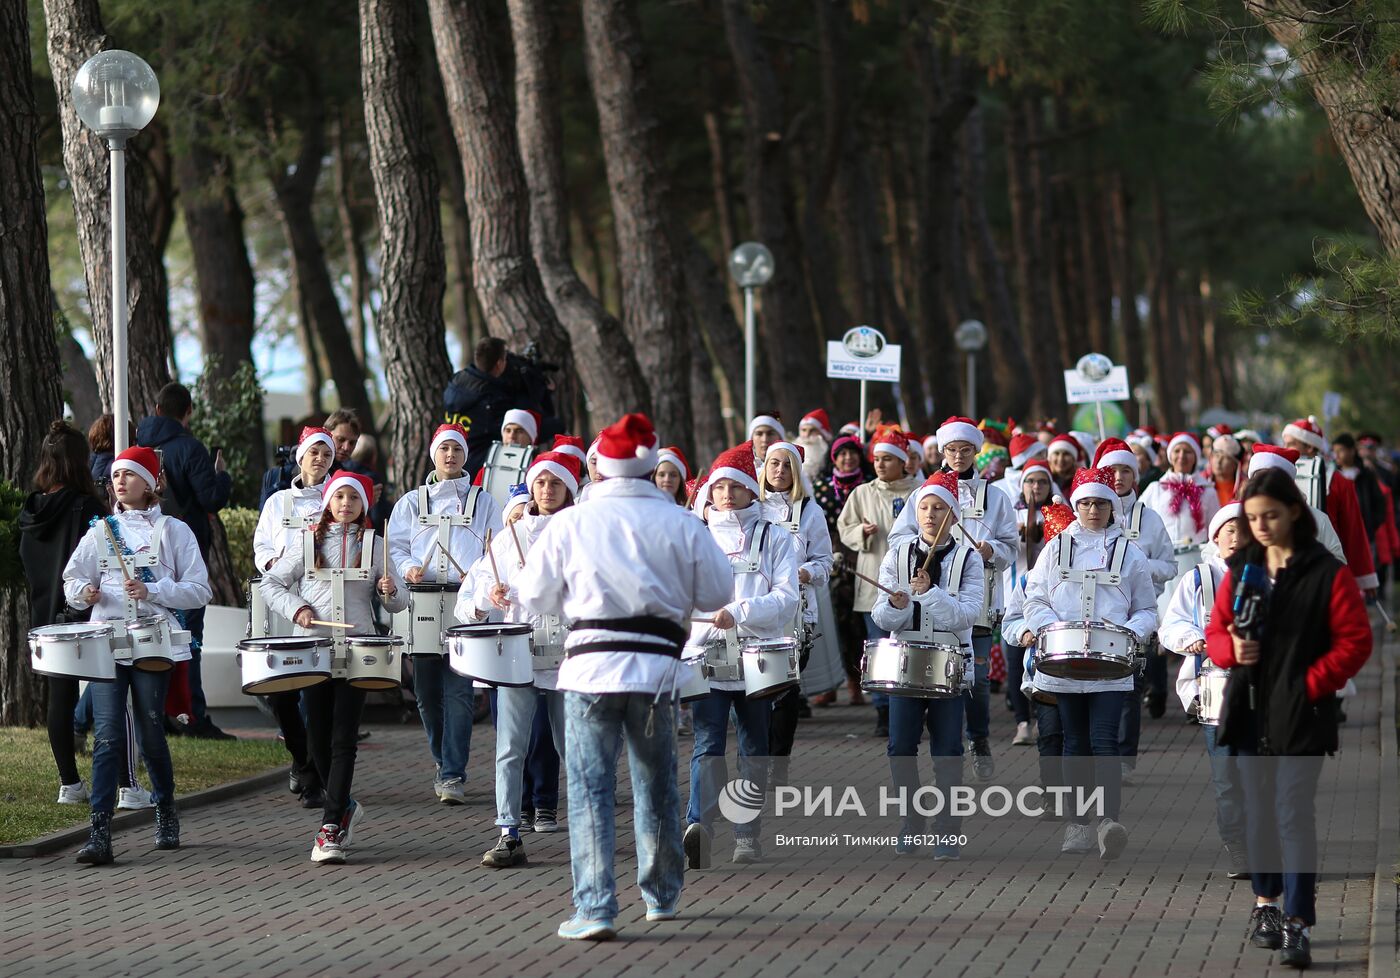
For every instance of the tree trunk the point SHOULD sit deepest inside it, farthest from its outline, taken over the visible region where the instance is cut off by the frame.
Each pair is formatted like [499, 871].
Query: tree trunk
[223, 275]
[724, 198]
[465, 321]
[507, 281]
[1124, 264]
[23, 695]
[352, 240]
[606, 360]
[722, 338]
[29, 363]
[711, 438]
[1161, 327]
[409, 327]
[79, 379]
[295, 192]
[75, 33]
[653, 305]
[791, 345]
[1093, 258]
[823, 273]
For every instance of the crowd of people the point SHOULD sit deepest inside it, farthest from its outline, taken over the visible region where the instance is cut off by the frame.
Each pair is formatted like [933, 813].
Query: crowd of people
[1065, 575]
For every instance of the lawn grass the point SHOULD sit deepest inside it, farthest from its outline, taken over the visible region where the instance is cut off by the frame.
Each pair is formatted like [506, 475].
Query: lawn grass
[29, 780]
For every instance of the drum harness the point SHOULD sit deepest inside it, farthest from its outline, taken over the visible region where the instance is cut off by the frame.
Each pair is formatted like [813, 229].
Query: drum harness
[139, 564]
[921, 630]
[337, 577]
[978, 511]
[730, 668]
[801, 630]
[1205, 577]
[442, 524]
[1112, 576]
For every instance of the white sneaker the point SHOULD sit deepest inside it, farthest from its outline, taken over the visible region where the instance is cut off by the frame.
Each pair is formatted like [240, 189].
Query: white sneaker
[1113, 838]
[73, 794]
[1078, 839]
[1023, 736]
[134, 799]
[452, 792]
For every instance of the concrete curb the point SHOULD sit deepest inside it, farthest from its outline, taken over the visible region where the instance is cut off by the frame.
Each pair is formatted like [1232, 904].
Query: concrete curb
[1382, 960]
[64, 838]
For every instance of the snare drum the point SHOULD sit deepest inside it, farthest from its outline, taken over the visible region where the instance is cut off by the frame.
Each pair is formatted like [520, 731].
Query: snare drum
[769, 666]
[693, 684]
[494, 653]
[1212, 682]
[148, 644]
[374, 662]
[283, 664]
[1086, 650]
[81, 650]
[913, 669]
[427, 617]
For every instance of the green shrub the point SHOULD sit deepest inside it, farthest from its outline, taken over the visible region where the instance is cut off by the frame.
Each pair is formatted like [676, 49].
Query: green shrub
[239, 523]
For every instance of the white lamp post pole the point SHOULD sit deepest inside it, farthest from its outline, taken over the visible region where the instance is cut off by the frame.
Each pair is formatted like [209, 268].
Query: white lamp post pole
[750, 364]
[120, 311]
[751, 265]
[971, 336]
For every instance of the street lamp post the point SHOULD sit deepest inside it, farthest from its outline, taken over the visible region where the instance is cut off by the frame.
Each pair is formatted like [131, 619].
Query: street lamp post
[115, 94]
[751, 265]
[971, 337]
[1142, 393]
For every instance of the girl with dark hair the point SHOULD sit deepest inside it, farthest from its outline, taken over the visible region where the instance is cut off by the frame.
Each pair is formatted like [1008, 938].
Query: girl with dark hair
[54, 518]
[1285, 669]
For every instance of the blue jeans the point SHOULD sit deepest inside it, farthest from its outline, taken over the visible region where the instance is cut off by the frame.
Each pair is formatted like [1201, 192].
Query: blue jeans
[979, 697]
[147, 691]
[1281, 828]
[598, 724]
[445, 704]
[1229, 796]
[539, 785]
[516, 709]
[1130, 724]
[1015, 669]
[1091, 729]
[194, 624]
[874, 633]
[943, 718]
[708, 771]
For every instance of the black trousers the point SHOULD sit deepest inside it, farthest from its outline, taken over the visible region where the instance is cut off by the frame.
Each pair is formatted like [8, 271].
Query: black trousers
[286, 707]
[782, 730]
[63, 699]
[333, 712]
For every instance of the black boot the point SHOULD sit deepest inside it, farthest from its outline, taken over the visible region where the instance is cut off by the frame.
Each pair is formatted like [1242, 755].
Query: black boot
[98, 851]
[882, 721]
[167, 826]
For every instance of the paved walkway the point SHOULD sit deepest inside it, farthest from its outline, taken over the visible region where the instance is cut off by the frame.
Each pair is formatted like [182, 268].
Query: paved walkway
[243, 898]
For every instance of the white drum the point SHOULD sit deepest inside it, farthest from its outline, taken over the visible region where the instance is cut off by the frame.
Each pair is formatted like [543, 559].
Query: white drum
[1086, 650]
[1212, 686]
[770, 666]
[913, 669]
[148, 644]
[80, 650]
[374, 662]
[283, 664]
[494, 653]
[424, 624]
[693, 685]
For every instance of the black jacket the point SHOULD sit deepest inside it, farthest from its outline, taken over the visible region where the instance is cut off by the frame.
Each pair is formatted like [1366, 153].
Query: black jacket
[193, 489]
[1284, 721]
[51, 525]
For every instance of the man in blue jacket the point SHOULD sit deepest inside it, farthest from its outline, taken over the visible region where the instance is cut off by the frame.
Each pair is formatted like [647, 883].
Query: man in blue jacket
[196, 486]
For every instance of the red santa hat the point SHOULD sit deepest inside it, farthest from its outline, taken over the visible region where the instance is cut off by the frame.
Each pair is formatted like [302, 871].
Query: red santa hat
[1114, 451]
[1227, 443]
[564, 467]
[448, 432]
[944, 485]
[352, 480]
[309, 437]
[144, 462]
[1024, 448]
[1185, 438]
[1226, 513]
[1037, 465]
[1065, 444]
[570, 445]
[819, 420]
[1092, 484]
[528, 420]
[677, 458]
[891, 441]
[627, 449]
[960, 429]
[930, 441]
[768, 420]
[736, 463]
[851, 428]
[1273, 457]
[1307, 431]
[1056, 518]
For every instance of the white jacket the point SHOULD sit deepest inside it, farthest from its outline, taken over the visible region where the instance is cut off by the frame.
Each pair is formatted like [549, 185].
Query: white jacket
[181, 579]
[410, 543]
[997, 527]
[948, 612]
[628, 550]
[271, 540]
[1130, 604]
[1153, 539]
[1181, 525]
[813, 544]
[474, 596]
[763, 602]
[287, 588]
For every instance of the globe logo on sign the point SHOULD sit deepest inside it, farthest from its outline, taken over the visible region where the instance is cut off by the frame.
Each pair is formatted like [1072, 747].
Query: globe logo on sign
[741, 801]
[863, 341]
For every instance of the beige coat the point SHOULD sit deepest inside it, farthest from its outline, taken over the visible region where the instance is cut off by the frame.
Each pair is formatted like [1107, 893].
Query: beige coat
[871, 502]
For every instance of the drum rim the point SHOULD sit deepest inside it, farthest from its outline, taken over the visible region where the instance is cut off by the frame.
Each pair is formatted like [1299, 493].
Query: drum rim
[895, 643]
[390, 641]
[83, 631]
[490, 628]
[922, 692]
[767, 644]
[269, 643]
[1079, 626]
[143, 621]
[434, 587]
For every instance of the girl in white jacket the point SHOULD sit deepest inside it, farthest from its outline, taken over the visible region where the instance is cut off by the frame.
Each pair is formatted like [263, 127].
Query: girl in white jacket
[1090, 711]
[293, 590]
[1185, 499]
[168, 577]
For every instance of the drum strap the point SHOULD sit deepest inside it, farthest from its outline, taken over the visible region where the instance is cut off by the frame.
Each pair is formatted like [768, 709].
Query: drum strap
[290, 520]
[753, 558]
[978, 509]
[337, 577]
[444, 522]
[1088, 596]
[1311, 482]
[1134, 529]
[141, 562]
[920, 630]
[673, 634]
[1205, 577]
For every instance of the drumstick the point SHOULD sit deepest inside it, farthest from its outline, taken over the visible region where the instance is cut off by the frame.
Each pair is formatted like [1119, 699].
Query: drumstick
[385, 544]
[116, 549]
[923, 568]
[330, 624]
[518, 549]
[495, 572]
[703, 621]
[460, 573]
[873, 582]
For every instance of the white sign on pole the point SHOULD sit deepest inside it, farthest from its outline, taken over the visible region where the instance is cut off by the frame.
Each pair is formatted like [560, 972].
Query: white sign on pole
[863, 354]
[1331, 404]
[1080, 390]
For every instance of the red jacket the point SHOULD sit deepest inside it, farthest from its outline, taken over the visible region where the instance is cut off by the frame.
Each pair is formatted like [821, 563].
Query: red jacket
[1387, 536]
[1345, 513]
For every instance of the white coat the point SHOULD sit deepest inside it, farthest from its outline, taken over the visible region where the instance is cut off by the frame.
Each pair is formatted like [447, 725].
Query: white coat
[287, 589]
[1181, 525]
[409, 543]
[271, 540]
[181, 579]
[627, 551]
[813, 544]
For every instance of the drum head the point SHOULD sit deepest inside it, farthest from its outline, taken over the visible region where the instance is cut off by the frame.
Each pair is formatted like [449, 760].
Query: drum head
[285, 683]
[377, 684]
[284, 643]
[73, 631]
[153, 664]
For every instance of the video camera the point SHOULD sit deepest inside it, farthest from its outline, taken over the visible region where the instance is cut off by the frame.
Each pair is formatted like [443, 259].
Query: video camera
[284, 454]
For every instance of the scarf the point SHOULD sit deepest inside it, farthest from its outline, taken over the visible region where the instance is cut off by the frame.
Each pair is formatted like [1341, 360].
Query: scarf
[843, 484]
[1184, 489]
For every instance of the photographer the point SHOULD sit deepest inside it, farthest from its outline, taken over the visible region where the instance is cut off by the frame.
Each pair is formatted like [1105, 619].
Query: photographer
[497, 380]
